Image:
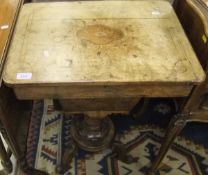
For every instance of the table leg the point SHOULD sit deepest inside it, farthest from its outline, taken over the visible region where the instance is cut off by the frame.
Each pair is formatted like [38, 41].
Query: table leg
[5, 159]
[92, 134]
[122, 153]
[66, 159]
[95, 134]
[25, 169]
[174, 128]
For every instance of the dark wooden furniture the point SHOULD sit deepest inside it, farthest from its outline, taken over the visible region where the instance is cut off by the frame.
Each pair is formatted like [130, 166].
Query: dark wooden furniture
[8, 15]
[14, 114]
[193, 15]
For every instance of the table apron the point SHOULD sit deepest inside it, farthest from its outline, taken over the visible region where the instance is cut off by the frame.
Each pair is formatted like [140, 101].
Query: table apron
[105, 91]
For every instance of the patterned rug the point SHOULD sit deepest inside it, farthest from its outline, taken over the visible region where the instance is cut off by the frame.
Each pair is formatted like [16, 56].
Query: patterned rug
[49, 136]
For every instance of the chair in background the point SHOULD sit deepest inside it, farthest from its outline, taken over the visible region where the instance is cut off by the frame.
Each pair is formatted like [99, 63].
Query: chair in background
[193, 15]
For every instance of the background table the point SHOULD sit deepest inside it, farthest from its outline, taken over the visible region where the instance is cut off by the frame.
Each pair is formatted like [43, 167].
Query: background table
[8, 14]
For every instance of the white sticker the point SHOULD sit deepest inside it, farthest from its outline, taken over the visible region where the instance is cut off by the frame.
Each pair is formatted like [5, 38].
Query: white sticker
[156, 12]
[46, 53]
[24, 76]
[4, 27]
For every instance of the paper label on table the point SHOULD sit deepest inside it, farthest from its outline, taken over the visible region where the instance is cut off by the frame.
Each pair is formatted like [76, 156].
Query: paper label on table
[4, 27]
[156, 12]
[24, 76]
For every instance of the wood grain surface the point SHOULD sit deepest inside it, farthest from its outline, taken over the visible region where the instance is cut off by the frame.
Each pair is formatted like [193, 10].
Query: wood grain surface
[206, 2]
[8, 14]
[100, 43]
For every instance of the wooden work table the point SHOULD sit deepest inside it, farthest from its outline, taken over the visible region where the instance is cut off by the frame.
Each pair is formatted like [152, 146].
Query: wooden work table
[116, 48]
[100, 52]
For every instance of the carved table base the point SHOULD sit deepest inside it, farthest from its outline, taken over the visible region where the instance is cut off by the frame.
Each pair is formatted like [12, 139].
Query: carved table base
[92, 134]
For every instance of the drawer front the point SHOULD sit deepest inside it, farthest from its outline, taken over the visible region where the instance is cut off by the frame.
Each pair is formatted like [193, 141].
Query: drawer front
[85, 92]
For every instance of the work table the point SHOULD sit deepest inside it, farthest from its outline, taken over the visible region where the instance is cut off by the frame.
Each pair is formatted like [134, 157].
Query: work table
[85, 43]
[100, 57]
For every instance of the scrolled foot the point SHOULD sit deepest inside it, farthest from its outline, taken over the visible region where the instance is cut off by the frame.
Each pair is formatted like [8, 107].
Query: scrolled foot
[28, 170]
[122, 153]
[68, 155]
[150, 172]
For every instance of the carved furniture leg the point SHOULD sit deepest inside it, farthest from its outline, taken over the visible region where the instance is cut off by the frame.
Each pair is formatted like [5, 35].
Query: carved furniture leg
[122, 153]
[66, 159]
[92, 134]
[28, 170]
[5, 159]
[95, 134]
[176, 125]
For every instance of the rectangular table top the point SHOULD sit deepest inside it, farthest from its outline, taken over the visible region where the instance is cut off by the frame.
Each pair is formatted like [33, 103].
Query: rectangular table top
[8, 13]
[100, 42]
